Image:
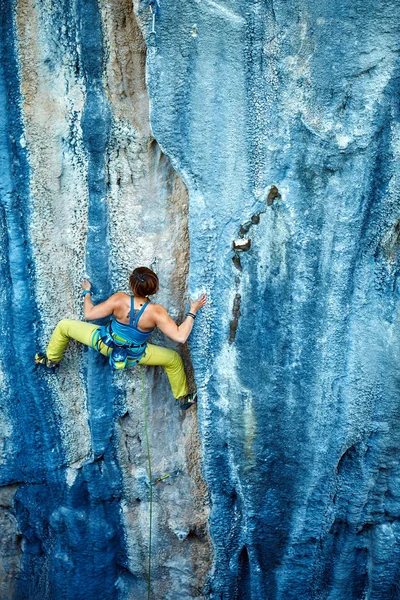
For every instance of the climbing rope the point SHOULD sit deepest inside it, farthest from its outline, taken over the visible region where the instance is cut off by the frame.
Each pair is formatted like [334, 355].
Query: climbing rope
[151, 482]
[150, 479]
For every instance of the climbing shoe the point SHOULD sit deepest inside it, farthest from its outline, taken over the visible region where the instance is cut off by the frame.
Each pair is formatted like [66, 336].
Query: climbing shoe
[49, 366]
[188, 401]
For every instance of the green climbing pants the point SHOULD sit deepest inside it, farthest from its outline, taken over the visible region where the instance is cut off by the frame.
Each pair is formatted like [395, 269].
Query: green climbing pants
[68, 329]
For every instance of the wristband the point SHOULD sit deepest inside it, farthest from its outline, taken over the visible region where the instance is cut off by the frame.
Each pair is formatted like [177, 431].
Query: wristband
[191, 315]
[86, 292]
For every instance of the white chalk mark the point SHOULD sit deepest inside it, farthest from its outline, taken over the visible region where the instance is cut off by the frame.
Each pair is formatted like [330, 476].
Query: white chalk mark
[224, 12]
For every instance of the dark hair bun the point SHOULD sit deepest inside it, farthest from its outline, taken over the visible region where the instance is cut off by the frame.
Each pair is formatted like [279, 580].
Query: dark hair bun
[143, 282]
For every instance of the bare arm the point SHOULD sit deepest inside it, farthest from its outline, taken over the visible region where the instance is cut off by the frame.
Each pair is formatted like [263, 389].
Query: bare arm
[178, 333]
[104, 309]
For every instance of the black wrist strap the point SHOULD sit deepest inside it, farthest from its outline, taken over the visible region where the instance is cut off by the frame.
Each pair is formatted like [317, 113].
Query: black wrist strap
[191, 315]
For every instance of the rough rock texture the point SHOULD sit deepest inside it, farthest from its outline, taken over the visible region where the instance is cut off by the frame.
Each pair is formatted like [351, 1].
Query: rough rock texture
[282, 118]
[85, 188]
[268, 136]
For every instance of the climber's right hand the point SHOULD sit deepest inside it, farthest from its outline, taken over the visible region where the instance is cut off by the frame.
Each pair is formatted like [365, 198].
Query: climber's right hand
[196, 305]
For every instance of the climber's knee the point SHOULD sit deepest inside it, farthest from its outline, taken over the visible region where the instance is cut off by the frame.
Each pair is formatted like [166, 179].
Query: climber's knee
[175, 360]
[62, 325]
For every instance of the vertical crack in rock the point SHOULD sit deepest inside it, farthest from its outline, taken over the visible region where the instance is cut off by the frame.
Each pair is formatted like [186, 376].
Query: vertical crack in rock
[272, 195]
[148, 206]
[243, 244]
[244, 581]
[235, 318]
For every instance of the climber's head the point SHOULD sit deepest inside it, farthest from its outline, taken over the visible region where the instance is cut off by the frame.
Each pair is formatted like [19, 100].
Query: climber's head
[143, 282]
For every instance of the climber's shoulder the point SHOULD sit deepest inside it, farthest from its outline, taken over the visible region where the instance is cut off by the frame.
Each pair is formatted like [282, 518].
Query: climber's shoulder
[156, 309]
[119, 299]
[120, 296]
[159, 313]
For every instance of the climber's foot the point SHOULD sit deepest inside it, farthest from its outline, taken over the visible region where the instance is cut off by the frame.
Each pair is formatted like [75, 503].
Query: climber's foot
[49, 366]
[187, 401]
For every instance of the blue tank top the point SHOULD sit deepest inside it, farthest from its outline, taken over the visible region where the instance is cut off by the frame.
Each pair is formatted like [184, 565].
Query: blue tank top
[130, 334]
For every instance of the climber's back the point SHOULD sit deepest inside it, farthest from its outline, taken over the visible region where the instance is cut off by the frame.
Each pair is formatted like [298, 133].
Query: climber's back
[130, 310]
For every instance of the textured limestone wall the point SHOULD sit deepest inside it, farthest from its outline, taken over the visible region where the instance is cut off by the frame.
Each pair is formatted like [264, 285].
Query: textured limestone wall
[282, 118]
[251, 150]
[85, 188]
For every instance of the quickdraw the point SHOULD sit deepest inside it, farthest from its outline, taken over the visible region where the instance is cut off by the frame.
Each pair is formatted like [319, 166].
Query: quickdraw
[154, 7]
[164, 477]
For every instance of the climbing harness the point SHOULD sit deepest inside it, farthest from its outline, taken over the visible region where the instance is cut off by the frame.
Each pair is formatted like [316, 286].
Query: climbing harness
[150, 479]
[124, 352]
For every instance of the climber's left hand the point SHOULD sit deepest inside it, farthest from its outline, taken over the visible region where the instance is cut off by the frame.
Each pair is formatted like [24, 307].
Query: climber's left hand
[86, 285]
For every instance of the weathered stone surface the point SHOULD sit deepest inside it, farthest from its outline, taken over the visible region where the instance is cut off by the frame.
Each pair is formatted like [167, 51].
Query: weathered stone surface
[289, 111]
[267, 134]
[10, 543]
[86, 189]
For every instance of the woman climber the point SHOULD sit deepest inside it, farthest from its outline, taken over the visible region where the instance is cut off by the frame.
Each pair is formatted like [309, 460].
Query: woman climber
[121, 339]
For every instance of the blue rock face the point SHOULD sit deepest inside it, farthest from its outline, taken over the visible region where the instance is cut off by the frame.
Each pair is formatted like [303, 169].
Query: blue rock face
[56, 523]
[78, 172]
[283, 122]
